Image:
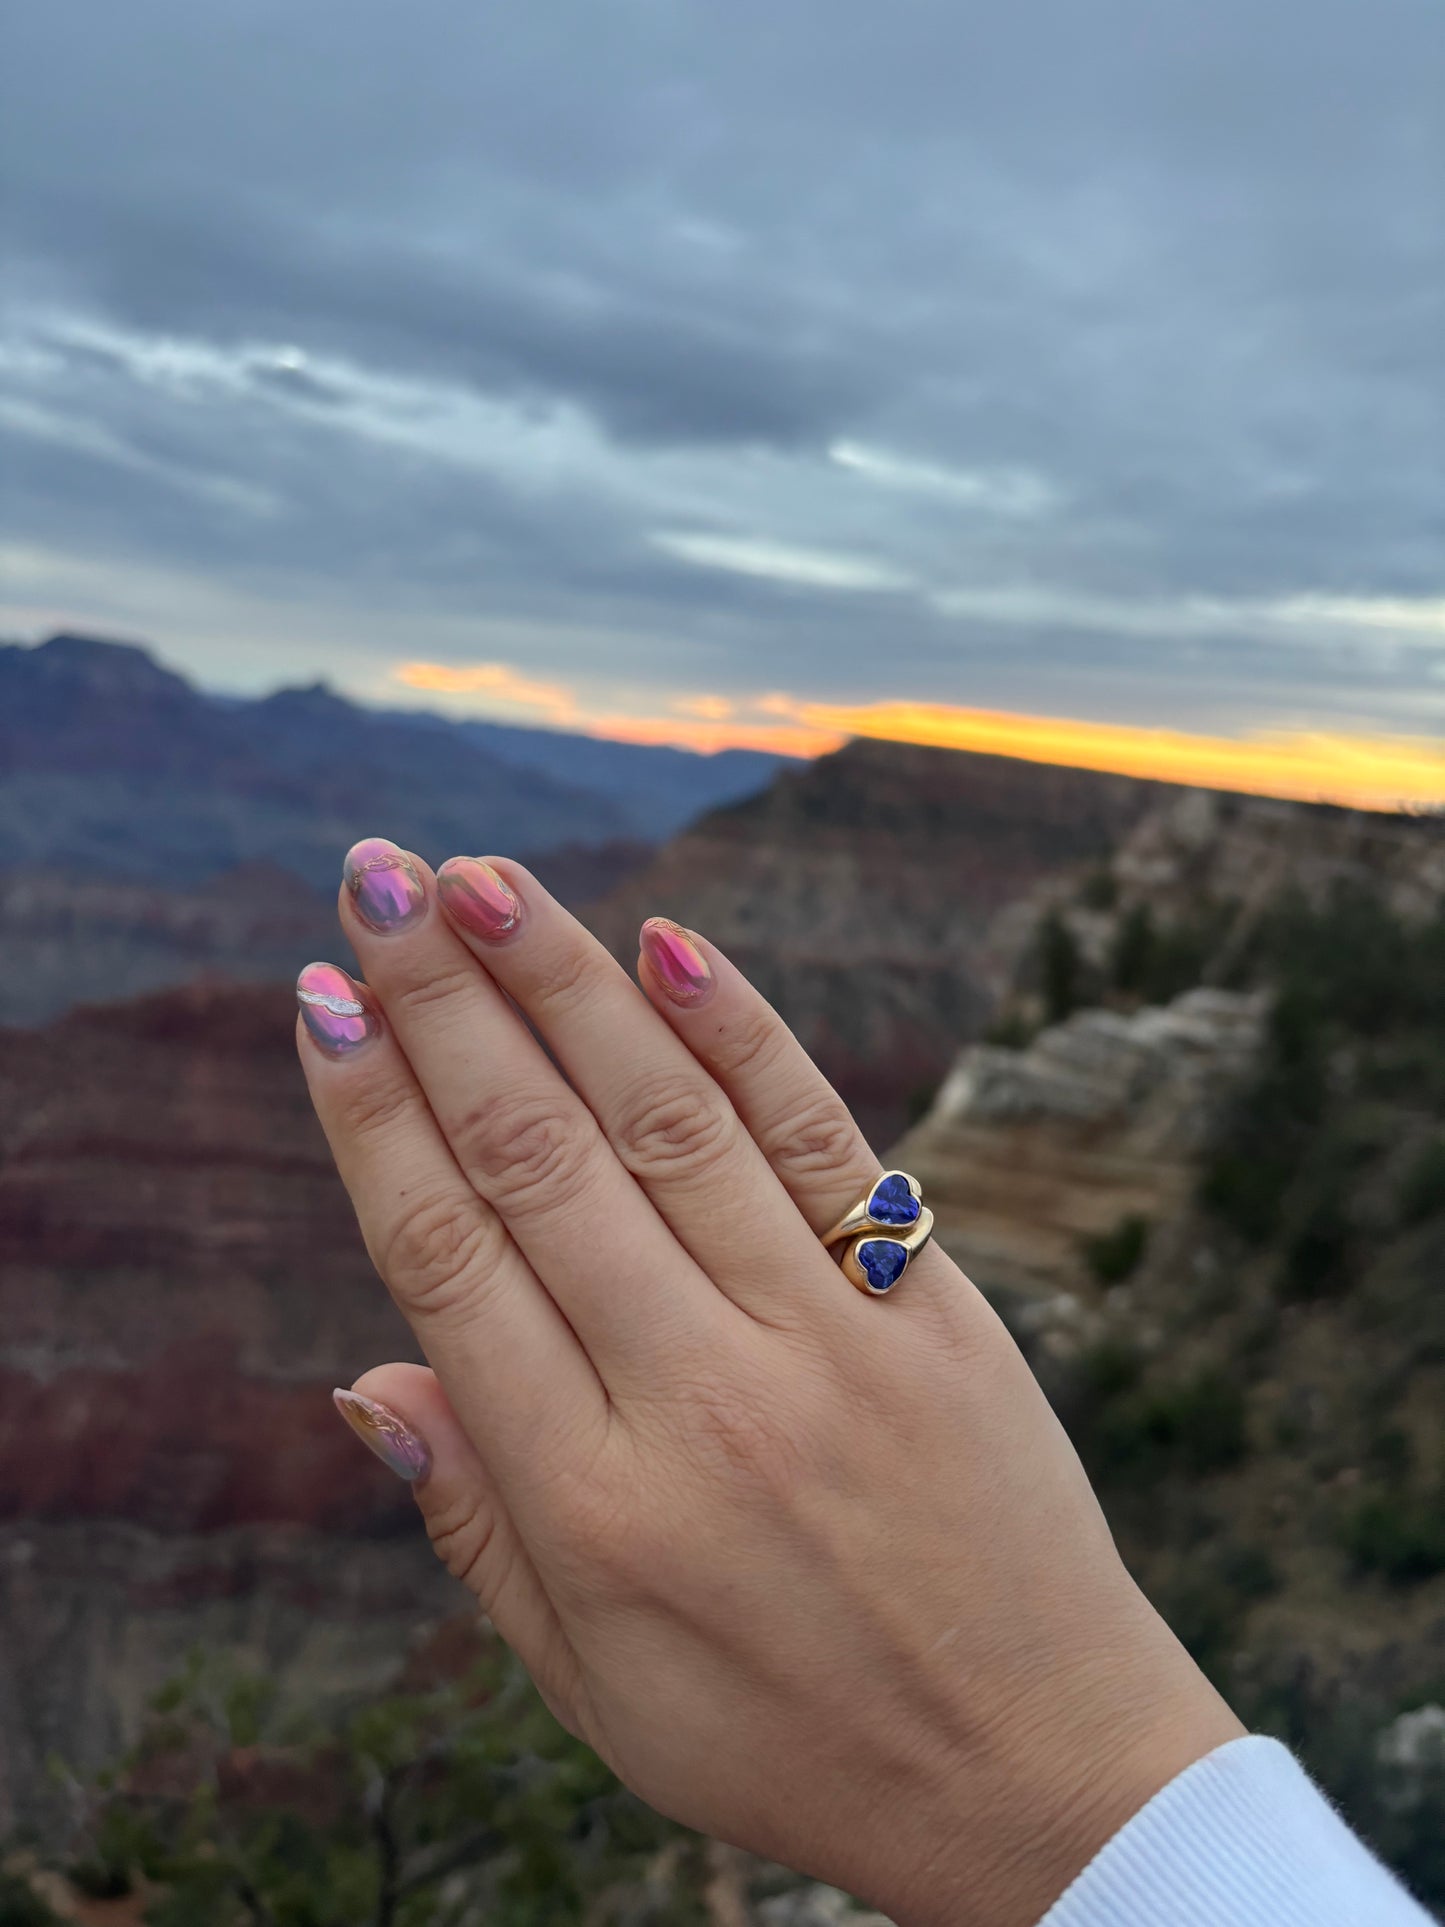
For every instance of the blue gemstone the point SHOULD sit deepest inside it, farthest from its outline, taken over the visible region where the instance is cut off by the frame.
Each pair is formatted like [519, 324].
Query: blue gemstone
[882, 1262]
[892, 1202]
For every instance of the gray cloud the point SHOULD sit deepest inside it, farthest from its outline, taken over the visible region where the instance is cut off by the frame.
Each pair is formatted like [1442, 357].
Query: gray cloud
[445, 316]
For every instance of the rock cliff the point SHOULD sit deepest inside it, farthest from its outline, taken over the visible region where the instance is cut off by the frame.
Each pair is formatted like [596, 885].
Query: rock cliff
[181, 1283]
[1025, 1155]
[860, 895]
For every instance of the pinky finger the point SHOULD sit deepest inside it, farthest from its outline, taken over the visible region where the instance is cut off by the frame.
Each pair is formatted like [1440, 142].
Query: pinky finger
[404, 1416]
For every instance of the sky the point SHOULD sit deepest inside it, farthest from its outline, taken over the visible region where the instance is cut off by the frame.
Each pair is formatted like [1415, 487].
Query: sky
[1063, 379]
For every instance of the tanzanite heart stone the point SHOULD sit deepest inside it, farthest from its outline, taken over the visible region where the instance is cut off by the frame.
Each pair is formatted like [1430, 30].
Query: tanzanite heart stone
[892, 1202]
[881, 1261]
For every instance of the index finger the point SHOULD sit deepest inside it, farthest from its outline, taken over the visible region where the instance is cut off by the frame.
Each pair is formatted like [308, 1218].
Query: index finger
[509, 1361]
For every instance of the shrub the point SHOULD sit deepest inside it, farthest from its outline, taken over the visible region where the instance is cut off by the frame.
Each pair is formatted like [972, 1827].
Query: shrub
[1272, 1124]
[459, 1800]
[1133, 952]
[920, 1102]
[1116, 1255]
[21, 1906]
[1060, 968]
[1317, 1256]
[1422, 1193]
[1193, 1426]
[1158, 962]
[1399, 1535]
[1100, 890]
[1010, 1031]
[1110, 1367]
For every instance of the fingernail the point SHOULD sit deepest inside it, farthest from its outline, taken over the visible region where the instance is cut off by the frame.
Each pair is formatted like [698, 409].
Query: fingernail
[384, 884]
[477, 898]
[338, 1014]
[680, 966]
[386, 1433]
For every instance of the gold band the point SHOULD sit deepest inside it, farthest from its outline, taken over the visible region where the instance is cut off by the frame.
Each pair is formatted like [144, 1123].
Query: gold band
[887, 1226]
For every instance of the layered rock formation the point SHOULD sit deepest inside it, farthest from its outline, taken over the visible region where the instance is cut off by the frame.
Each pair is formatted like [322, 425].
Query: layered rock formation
[150, 832]
[181, 1281]
[1027, 1154]
[68, 939]
[860, 895]
[181, 1284]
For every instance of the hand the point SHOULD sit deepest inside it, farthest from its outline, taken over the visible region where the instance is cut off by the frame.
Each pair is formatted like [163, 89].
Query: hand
[816, 1573]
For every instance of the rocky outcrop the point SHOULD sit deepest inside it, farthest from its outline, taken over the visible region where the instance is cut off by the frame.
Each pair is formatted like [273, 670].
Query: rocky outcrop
[1026, 1154]
[1253, 851]
[68, 939]
[860, 895]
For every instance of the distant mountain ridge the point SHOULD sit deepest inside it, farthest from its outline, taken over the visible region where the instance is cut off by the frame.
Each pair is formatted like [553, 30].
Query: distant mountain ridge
[109, 760]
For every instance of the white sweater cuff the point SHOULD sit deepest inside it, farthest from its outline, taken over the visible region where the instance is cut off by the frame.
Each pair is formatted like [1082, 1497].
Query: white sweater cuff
[1243, 1838]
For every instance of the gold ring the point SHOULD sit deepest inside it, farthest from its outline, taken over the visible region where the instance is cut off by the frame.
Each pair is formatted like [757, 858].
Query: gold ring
[887, 1226]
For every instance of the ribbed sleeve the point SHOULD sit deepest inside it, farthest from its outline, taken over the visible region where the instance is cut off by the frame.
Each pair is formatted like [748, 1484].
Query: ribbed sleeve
[1243, 1838]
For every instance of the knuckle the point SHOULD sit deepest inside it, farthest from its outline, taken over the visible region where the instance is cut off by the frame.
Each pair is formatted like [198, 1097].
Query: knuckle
[373, 1109]
[610, 1547]
[753, 1043]
[674, 1127]
[818, 1138]
[439, 1253]
[462, 1533]
[522, 1151]
[568, 983]
[751, 1445]
[418, 995]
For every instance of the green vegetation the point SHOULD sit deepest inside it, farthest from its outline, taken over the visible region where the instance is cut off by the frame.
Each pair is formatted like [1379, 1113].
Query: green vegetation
[1397, 1533]
[1358, 1022]
[1422, 1194]
[1136, 1431]
[1262, 1440]
[1061, 968]
[1156, 963]
[920, 1102]
[1010, 1031]
[1099, 890]
[454, 1804]
[1116, 1255]
[21, 1905]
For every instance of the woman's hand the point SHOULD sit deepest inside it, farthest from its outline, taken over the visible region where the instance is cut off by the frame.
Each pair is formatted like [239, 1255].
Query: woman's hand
[815, 1573]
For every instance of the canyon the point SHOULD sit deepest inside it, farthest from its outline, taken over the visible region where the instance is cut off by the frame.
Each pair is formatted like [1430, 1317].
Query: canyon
[182, 1282]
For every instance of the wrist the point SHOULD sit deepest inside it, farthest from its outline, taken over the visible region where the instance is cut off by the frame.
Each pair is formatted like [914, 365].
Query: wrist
[1011, 1818]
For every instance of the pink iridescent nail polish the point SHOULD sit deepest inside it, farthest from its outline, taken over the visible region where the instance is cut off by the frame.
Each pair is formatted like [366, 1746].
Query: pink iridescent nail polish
[339, 1014]
[385, 885]
[386, 1433]
[678, 964]
[474, 896]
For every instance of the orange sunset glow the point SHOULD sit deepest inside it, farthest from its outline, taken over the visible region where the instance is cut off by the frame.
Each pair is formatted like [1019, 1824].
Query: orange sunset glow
[1368, 771]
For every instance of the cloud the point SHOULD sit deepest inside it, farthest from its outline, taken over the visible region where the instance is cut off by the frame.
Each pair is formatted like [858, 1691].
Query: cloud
[499, 683]
[1361, 768]
[590, 341]
[1309, 617]
[997, 492]
[777, 562]
[1369, 771]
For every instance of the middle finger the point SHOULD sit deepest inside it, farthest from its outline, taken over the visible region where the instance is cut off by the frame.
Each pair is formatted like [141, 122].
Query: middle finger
[666, 1118]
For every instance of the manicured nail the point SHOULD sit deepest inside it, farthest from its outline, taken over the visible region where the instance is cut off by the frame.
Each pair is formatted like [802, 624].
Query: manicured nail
[474, 896]
[679, 965]
[386, 1433]
[384, 884]
[338, 1013]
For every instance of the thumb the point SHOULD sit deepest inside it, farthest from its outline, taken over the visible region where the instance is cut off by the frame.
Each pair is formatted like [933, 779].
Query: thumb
[401, 1413]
